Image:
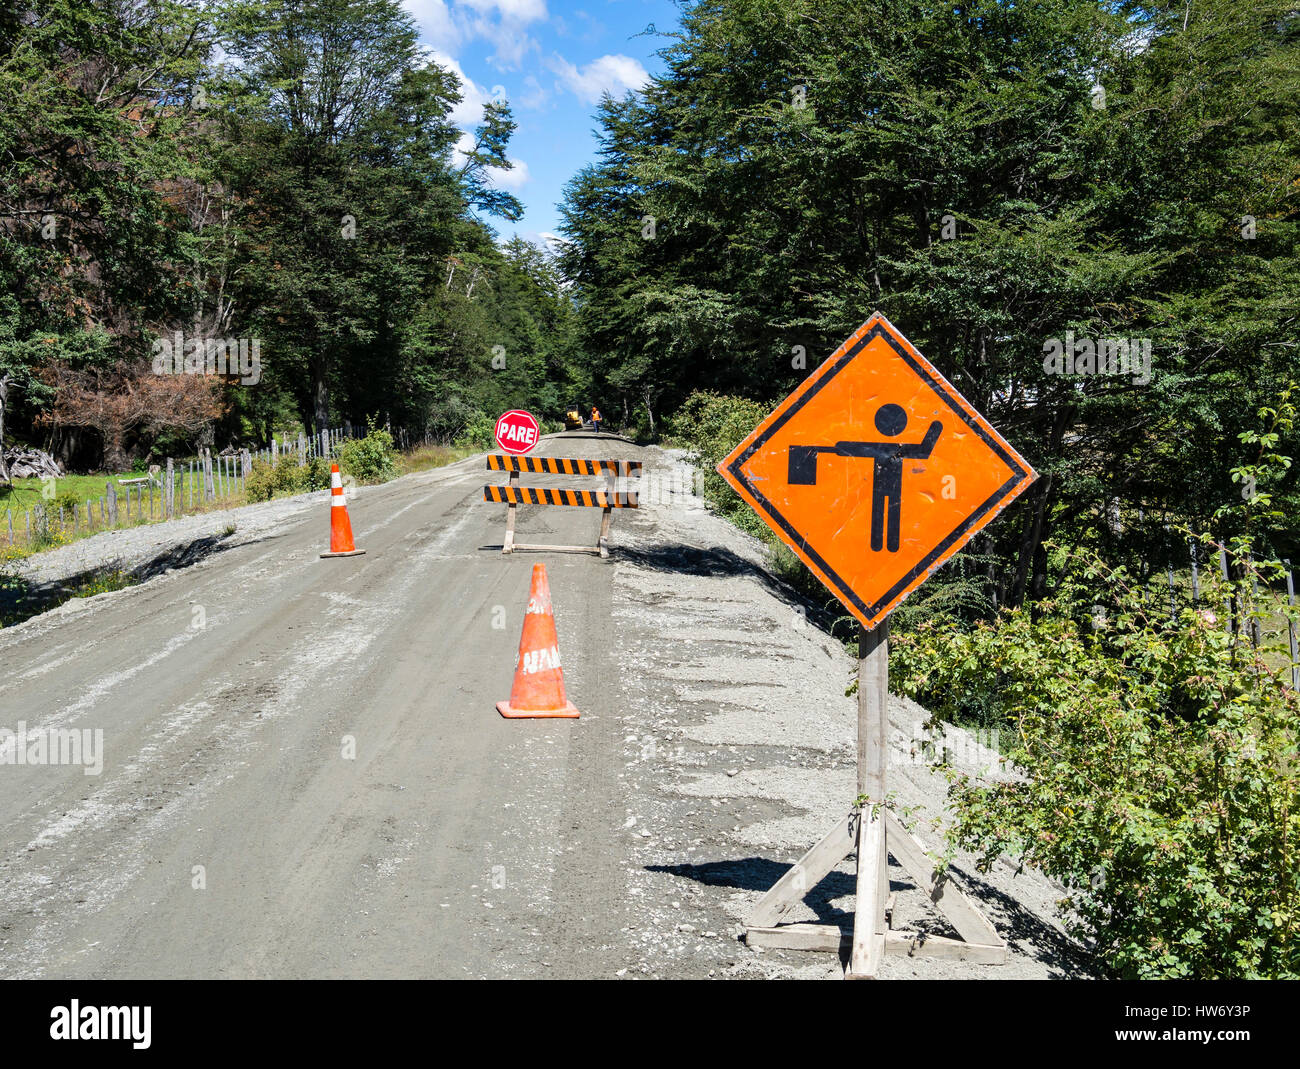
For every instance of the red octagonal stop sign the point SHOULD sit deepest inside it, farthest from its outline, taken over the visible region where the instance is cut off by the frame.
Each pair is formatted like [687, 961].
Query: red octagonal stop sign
[517, 432]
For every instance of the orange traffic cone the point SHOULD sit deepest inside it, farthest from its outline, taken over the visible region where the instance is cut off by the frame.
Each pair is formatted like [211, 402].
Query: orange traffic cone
[340, 526]
[539, 679]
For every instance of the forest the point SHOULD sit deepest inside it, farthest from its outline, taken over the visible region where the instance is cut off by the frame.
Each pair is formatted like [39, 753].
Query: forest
[1001, 181]
[1012, 185]
[274, 188]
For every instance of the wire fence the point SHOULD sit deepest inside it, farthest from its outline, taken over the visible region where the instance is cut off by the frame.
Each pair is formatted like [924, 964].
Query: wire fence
[166, 491]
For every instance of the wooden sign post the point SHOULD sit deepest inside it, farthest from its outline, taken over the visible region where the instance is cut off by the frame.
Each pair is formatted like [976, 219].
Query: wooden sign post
[923, 476]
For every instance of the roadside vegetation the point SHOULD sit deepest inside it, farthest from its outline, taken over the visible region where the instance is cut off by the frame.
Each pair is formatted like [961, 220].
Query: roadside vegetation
[1151, 743]
[20, 600]
[368, 460]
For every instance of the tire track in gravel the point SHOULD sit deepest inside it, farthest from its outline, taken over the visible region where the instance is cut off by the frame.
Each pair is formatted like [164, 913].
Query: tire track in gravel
[443, 848]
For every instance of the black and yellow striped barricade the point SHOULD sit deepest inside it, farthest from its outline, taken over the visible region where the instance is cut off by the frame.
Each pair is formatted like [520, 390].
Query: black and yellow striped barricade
[512, 494]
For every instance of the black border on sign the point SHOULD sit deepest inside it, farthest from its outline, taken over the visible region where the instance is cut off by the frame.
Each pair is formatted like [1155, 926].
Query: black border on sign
[922, 566]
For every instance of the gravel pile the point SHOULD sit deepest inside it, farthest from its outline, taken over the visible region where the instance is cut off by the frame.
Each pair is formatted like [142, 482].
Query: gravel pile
[740, 753]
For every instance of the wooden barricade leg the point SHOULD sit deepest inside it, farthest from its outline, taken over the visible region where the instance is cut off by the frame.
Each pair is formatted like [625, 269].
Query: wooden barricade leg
[607, 515]
[509, 546]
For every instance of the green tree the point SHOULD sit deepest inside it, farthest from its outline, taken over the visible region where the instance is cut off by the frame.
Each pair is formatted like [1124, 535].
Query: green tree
[992, 177]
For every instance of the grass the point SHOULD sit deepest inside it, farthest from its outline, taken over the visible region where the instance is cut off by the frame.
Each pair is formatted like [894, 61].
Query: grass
[58, 535]
[428, 457]
[19, 602]
[24, 494]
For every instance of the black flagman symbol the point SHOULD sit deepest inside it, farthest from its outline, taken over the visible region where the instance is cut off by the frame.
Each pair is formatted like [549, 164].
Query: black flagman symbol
[887, 472]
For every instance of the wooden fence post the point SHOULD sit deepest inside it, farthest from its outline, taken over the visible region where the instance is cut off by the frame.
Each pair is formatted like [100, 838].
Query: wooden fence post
[1255, 634]
[111, 494]
[1229, 624]
[1173, 607]
[1291, 628]
[169, 508]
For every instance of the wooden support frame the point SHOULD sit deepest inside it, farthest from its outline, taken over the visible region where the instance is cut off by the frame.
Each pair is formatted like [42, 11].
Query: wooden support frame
[513, 494]
[872, 832]
[509, 544]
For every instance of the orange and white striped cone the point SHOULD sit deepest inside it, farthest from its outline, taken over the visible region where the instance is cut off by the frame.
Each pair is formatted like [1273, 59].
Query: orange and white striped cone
[539, 680]
[340, 526]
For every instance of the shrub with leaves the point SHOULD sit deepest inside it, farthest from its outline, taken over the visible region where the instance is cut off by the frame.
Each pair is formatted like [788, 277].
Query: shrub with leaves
[287, 476]
[371, 459]
[479, 433]
[1158, 768]
[711, 425]
[1156, 750]
[259, 484]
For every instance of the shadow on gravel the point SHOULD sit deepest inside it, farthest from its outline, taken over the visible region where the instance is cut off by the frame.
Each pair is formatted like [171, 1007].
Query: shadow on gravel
[720, 561]
[759, 874]
[1026, 934]
[21, 599]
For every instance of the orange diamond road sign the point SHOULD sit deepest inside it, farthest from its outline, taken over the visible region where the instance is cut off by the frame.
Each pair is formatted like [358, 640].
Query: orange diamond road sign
[875, 471]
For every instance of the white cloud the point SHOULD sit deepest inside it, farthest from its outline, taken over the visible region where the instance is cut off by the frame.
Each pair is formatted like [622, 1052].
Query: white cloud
[521, 11]
[614, 74]
[535, 95]
[512, 180]
[448, 24]
[469, 112]
[511, 42]
[437, 26]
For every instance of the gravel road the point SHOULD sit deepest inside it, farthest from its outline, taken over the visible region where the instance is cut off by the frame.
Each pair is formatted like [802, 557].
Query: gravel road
[304, 774]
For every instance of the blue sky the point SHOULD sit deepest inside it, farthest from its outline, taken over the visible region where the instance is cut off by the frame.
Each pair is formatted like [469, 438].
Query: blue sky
[552, 59]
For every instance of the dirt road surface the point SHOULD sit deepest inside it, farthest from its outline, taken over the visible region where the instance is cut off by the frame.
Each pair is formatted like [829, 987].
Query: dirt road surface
[304, 774]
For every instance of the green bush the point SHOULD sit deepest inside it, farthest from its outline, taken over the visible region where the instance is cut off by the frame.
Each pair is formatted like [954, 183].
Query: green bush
[479, 433]
[1155, 769]
[315, 474]
[371, 459]
[286, 477]
[259, 484]
[68, 502]
[711, 425]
